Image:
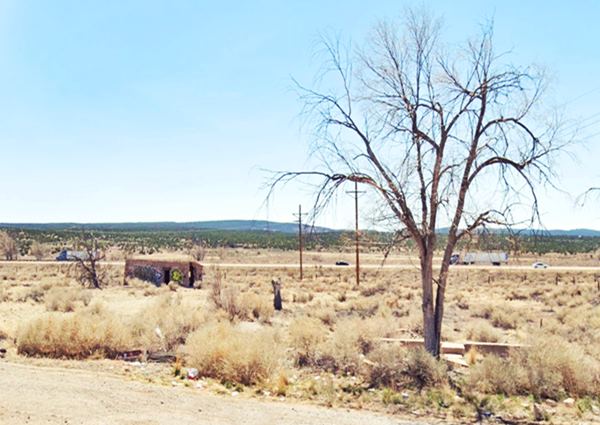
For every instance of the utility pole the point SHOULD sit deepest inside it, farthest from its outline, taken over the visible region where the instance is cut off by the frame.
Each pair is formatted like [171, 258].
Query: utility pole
[356, 233]
[300, 240]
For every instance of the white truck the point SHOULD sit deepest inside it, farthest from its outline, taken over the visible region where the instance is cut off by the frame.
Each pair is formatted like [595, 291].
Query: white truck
[493, 258]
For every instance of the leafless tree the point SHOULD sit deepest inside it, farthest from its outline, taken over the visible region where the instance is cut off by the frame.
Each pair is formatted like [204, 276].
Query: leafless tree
[442, 137]
[38, 250]
[8, 246]
[87, 262]
[198, 250]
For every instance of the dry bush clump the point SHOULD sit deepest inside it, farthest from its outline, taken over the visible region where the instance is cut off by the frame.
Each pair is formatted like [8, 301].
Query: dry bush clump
[166, 323]
[255, 307]
[307, 334]
[549, 368]
[396, 367]
[220, 351]
[66, 299]
[481, 330]
[500, 315]
[87, 333]
[342, 351]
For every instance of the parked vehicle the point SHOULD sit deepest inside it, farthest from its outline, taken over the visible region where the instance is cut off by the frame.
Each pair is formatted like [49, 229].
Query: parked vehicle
[493, 258]
[539, 265]
[342, 263]
[68, 255]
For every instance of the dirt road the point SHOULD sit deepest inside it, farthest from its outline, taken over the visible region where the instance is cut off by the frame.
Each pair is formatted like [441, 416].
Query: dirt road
[309, 266]
[44, 395]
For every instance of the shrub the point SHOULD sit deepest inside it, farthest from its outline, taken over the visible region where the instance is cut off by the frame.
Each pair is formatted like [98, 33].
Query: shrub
[220, 351]
[80, 335]
[255, 307]
[65, 299]
[306, 336]
[484, 332]
[549, 368]
[166, 323]
[396, 367]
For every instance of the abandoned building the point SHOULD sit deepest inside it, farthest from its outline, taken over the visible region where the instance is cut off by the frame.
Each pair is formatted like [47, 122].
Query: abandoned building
[183, 271]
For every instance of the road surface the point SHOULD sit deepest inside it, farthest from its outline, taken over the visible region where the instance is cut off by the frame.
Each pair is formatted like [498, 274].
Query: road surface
[308, 266]
[47, 395]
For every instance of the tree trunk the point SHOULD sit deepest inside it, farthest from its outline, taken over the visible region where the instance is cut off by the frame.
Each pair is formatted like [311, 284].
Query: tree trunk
[430, 333]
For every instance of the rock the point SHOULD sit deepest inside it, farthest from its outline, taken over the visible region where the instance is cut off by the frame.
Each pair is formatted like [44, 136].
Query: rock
[550, 402]
[569, 402]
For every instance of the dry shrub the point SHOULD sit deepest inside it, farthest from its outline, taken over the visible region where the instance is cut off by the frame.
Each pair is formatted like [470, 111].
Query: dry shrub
[35, 294]
[4, 294]
[87, 333]
[220, 351]
[501, 315]
[369, 291]
[327, 315]
[166, 323]
[482, 331]
[307, 334]
[549, 368]
[255, 307]
[396, 367]
[225, 297]
[341, 352]
[66, 299]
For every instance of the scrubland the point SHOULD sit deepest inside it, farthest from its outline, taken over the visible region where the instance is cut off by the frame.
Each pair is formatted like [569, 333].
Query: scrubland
[333, 342]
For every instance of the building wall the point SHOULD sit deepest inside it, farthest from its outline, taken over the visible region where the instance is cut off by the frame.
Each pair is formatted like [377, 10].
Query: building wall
[154, 270]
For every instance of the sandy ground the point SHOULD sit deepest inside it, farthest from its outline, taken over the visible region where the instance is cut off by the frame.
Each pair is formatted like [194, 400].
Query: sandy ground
[50, 395]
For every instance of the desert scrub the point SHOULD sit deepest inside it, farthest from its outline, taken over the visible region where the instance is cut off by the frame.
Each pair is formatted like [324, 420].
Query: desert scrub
[74, 335]
[220, 351]
[306, 334]
[395, 367]
[256, 307]
[166, 322]
[549, 368]
[65, 299]
[482, 331]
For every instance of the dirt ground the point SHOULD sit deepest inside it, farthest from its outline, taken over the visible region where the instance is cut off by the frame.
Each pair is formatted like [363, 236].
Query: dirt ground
[50, 395]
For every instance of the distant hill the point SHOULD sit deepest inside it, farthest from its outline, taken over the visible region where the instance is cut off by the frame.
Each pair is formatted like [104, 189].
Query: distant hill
[238, 225]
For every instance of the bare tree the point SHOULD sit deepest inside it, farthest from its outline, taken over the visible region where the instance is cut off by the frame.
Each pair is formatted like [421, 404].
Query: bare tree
[8, 246]
[198, 250]
[442, 137]
[87, 262]
[38, 250]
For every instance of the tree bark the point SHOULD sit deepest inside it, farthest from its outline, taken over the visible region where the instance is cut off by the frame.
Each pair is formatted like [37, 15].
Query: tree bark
[430, 333]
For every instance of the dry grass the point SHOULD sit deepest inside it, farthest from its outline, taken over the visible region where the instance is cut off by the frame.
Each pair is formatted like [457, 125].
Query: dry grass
[166, 322]
[66, 299]
[218, 350]
[549, 368]
[89, 333]
[392, 366]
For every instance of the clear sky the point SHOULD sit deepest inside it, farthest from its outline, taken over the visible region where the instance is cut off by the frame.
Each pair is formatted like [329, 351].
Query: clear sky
[169, 110]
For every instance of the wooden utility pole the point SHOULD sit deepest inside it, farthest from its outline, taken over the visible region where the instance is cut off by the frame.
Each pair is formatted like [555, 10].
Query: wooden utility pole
[356, 233]
[300, 239]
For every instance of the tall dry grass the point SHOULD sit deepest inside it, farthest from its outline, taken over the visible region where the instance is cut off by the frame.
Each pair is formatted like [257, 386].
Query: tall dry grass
[219, 350]
[549, 368]
[88, 333]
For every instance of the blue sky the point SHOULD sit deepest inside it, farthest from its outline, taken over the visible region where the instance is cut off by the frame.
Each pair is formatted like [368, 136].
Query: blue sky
[148, 110]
